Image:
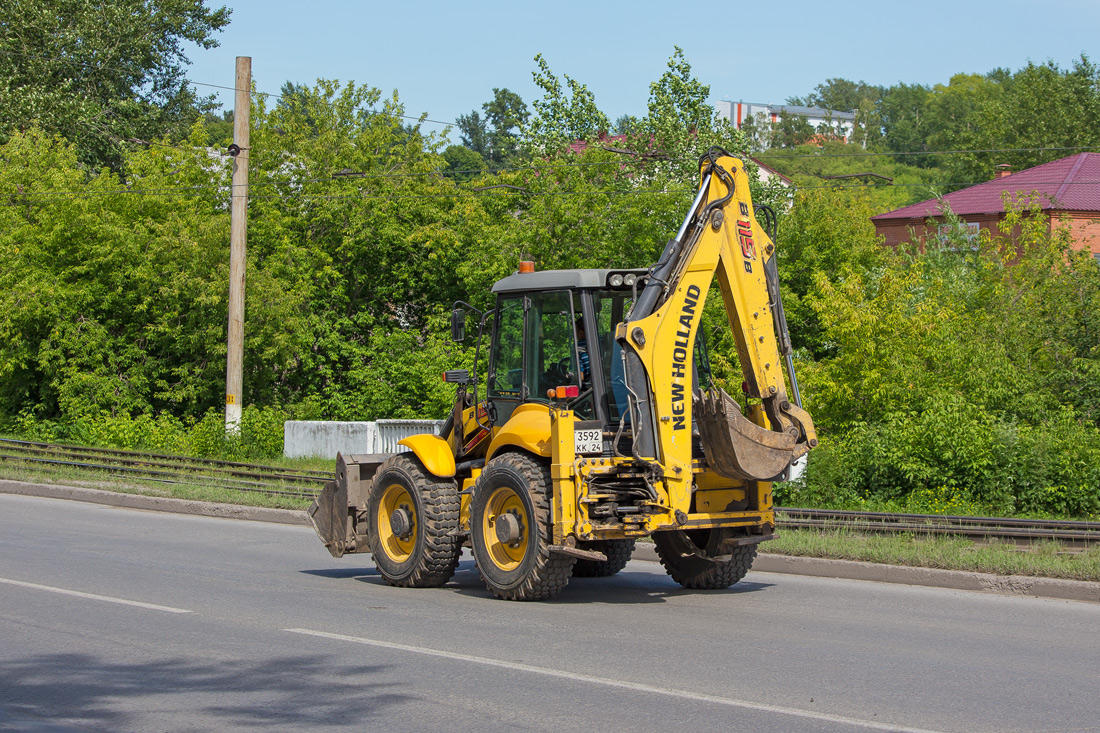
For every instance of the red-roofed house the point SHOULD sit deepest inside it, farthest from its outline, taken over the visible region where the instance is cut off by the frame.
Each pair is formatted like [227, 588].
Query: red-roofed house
[1068, 189]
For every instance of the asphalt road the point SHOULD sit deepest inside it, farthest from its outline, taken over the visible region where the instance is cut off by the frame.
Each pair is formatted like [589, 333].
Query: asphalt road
[115, 619]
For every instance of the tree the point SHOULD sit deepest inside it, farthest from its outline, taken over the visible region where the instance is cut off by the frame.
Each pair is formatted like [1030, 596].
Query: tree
[791, 130]
[463, 164]
[757, 130]
[826, 232]
[906, 121]
[681, 124]
[562, 117]
[960, 119]
[678, 102]
[1040, 106]
[507, 114]
[474, 133]
[839, 94]
[101, 73]
[219, 128]
[625, 125]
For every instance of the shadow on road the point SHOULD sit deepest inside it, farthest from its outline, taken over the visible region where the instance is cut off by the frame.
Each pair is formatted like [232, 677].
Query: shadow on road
[627, 587]
[79, 691]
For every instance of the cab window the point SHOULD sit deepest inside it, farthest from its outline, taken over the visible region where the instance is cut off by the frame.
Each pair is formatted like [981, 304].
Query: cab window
[552, 342]
[536, 349]
[506, 378]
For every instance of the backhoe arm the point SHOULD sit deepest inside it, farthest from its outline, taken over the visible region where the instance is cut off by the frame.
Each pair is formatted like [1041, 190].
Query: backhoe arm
[721, 240]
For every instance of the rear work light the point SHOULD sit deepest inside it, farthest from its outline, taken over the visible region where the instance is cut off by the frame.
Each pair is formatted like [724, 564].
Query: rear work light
[563, 393]
[459, 376]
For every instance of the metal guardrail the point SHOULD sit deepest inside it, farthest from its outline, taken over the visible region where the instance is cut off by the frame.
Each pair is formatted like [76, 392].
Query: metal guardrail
[326, 438]
[61, 460]
[1005, 528]
[56, 459]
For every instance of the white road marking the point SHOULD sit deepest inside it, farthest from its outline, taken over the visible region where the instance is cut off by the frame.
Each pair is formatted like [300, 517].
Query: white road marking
[94, 597]
[621, 684]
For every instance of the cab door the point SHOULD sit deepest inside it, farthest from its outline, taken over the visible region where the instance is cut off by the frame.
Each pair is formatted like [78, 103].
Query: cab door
[534, 349]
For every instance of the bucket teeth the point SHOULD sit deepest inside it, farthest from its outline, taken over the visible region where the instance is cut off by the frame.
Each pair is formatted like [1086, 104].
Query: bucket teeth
[736, 447]
[329, 517]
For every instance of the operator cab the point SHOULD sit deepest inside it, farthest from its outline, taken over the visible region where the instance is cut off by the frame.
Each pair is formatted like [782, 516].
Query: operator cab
[547, 323]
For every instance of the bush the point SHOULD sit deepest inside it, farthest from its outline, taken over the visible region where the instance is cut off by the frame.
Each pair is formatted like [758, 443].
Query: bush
[260, 435]
[954, 459]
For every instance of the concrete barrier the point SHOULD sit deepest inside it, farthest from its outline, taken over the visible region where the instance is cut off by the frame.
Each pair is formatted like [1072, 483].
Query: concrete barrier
[326, 438]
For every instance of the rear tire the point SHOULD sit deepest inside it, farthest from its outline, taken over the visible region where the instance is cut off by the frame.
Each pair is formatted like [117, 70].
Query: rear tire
[618, 555]
[410, 517]
[677, 550]
[511, 532]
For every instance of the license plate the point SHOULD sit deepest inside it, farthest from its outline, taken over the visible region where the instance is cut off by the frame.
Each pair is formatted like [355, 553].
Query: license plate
[588, 441]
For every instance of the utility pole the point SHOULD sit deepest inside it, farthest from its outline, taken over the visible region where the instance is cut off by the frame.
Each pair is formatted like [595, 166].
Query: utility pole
[238, 235]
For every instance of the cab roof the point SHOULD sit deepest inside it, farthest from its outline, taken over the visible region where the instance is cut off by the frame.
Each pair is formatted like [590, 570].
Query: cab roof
[560, 279]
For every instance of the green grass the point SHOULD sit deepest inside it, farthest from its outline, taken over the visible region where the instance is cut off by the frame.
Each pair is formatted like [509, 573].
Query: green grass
[84, 479]
[1046, 559]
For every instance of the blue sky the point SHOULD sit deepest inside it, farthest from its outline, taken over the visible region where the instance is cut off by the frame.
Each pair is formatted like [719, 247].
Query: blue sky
[444, 58]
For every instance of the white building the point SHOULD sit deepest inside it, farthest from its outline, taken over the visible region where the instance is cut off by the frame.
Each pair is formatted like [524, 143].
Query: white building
[737, 112]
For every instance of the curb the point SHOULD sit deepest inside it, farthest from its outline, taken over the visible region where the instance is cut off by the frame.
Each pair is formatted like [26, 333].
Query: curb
[156, 503]
[1020, 585]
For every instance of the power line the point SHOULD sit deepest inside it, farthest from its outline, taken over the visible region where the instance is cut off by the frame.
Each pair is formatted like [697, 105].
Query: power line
[923, 152]
[473, 192]
[450, 175]
[138, 141]
[271, 95]
[761, 156]
[347, 175]
[476, 193]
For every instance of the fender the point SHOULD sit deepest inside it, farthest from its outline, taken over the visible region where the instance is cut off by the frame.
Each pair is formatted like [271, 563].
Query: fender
[434, 452]
[528, 428]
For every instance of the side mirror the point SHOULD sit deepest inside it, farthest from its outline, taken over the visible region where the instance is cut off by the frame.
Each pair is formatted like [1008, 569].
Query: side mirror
[458, 325]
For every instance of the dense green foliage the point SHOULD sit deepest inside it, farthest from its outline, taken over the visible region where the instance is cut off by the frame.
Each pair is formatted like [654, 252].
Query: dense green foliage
[960, 130]
[495, 138]
[951, 379]
[961, 374]
[114, 292]
[101, 73]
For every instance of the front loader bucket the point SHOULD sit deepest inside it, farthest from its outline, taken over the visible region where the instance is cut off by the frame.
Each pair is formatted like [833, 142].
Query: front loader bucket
[329, 516]
[735, 446]
[337, 508]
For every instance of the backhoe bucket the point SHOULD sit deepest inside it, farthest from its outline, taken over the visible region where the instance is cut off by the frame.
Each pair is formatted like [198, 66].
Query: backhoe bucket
[738, 448]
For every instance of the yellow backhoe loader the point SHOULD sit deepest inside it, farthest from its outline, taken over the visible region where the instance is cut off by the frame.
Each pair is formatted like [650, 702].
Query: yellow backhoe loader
[598, 424]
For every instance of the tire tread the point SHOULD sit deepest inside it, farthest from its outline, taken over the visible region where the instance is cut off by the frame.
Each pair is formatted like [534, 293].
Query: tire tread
[548, 573]
[438, 510]
[699, 574]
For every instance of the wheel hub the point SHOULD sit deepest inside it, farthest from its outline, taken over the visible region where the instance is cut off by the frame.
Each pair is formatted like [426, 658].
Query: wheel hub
[401, 523]
[508, 529]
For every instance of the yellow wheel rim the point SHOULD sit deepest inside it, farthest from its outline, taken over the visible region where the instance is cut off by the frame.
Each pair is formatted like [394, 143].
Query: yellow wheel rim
[396, 498]
[505, 501]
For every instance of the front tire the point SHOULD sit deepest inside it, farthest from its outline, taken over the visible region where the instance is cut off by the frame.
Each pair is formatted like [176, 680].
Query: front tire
[679, 552]
[410, 517]
[511, 531]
